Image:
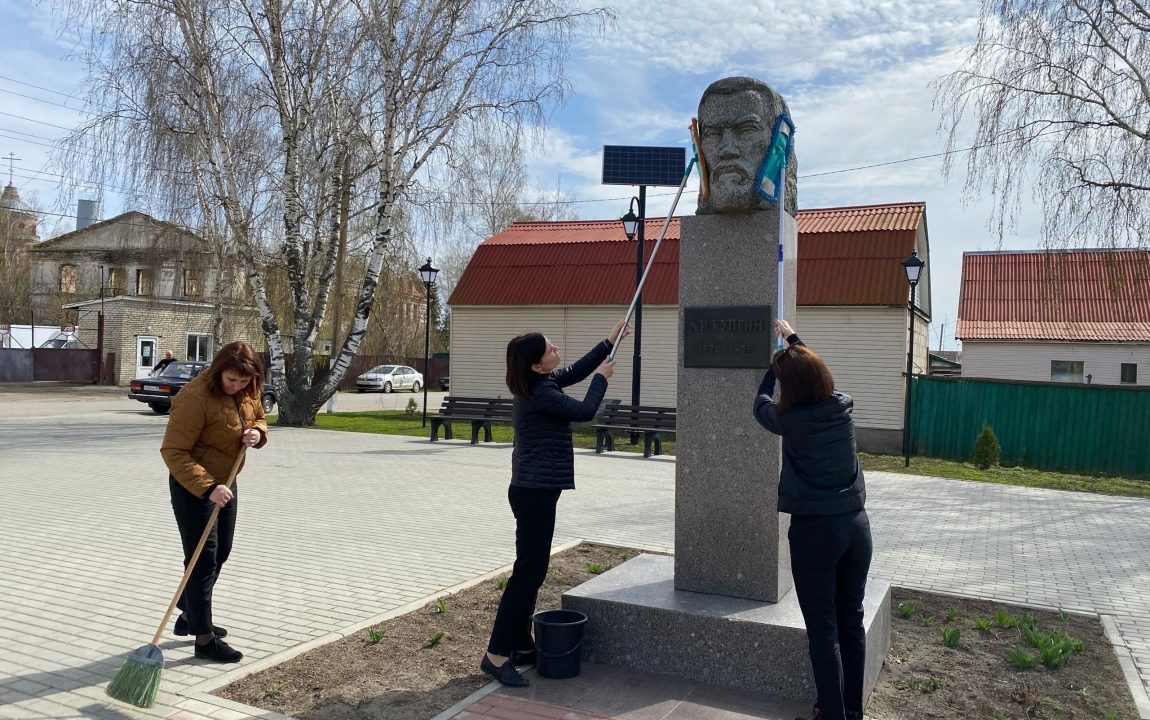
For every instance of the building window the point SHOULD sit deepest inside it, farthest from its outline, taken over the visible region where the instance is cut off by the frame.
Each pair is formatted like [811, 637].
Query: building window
[1129, 373]
[68, 278]
[199, 347]
[143, 282]
[192, 286]
[116, 281]
[1067, 371]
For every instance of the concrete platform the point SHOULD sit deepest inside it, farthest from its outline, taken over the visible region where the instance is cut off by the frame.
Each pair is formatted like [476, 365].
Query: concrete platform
[639, 620]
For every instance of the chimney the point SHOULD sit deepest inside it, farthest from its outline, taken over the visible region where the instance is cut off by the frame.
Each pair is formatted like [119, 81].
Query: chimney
[86, 212]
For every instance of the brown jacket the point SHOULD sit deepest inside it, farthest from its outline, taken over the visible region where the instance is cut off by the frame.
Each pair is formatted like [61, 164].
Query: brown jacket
[203, 436]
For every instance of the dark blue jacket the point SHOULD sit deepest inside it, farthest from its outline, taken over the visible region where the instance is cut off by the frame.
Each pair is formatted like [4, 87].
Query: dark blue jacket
[821, 473]
[544, 456]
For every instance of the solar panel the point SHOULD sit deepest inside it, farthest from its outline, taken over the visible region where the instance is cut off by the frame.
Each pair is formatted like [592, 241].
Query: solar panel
[638, 165]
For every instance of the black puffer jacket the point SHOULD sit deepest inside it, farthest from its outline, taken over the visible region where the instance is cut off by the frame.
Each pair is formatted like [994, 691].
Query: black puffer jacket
[821, 473]
[544, 454]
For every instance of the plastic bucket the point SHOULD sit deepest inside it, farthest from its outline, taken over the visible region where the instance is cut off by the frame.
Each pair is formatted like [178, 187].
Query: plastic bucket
[558, 643]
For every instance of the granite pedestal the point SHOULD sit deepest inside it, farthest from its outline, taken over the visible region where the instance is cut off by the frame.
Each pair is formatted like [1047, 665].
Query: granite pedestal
[639, 620]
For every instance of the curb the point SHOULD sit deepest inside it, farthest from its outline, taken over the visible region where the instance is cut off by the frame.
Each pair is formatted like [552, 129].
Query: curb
[1129, 669]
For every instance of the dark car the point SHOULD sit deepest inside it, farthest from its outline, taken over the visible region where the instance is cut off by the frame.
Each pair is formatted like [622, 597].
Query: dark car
[158, 391]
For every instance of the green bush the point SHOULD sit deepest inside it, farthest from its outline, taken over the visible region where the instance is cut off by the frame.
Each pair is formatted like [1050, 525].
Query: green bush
[987, 451]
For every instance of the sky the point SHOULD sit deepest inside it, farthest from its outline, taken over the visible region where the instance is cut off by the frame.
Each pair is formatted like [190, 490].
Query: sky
[856, 74]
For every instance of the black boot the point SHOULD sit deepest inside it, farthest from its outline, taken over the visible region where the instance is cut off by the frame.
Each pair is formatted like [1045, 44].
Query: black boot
[505, 673]
[218, 651]
[181, 628]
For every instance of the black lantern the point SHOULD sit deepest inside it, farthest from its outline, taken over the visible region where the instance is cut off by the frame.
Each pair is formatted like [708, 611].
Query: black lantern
[913, 266]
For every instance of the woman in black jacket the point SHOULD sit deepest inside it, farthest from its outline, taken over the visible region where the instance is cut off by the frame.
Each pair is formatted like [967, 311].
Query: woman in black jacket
[821, 487]
[542, 466]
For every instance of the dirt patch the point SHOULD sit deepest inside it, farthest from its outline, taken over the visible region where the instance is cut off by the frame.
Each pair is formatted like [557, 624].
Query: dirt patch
[407, 674]
[922, 678]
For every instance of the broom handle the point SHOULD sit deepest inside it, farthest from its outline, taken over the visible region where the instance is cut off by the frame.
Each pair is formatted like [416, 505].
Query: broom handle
[651, 262]
[199, 549]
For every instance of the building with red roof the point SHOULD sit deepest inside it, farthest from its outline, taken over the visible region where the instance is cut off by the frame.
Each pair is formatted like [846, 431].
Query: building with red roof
[572, 280]
[1080, 316]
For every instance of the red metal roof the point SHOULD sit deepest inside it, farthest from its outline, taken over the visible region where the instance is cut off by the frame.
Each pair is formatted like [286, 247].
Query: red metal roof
[847, 256]
[1057, 295]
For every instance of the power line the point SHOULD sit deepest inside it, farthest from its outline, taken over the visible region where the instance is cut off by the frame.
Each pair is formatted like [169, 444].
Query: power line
[38, 122]
[47, 102]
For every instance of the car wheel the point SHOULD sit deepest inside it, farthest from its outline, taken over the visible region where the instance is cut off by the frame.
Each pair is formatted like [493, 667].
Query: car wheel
[269, 403]
[160, 408]
[387, 387]
[415, 386]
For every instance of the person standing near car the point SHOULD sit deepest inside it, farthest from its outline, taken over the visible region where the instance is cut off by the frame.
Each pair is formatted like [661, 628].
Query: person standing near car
[159, 368]
[213, 417]
[542, 466]
[821, 487]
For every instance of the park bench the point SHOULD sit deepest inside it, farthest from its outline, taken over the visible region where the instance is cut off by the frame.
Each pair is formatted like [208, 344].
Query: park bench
[480, 412]
[653, 422]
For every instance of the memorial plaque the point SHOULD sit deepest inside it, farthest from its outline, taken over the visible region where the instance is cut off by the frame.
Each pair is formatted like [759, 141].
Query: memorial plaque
[731, 336]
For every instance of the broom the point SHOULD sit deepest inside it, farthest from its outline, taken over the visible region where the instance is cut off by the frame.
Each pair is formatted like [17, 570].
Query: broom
[772, 187]
[139, 678]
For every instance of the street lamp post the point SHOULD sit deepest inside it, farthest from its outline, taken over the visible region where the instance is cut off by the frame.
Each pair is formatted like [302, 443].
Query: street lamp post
[635, 225]
[913, 266]
[428, 272]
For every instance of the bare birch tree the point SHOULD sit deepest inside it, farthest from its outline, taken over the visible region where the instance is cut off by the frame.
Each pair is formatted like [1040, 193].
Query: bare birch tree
[273, 116]
[1059, 93]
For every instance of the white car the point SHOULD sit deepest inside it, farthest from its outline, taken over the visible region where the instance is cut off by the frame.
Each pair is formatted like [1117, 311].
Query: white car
[388, 378]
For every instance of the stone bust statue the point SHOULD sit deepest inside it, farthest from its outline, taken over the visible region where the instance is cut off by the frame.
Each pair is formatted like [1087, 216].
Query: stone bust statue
[736, 119]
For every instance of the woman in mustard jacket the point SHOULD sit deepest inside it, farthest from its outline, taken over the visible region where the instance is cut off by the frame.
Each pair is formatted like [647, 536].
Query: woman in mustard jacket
[212, 418]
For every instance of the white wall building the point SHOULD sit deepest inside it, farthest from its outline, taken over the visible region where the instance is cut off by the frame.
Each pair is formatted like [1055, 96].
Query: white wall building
[573, 280]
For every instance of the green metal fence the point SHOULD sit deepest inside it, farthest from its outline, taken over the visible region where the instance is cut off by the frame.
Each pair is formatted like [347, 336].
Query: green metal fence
[1076, 428]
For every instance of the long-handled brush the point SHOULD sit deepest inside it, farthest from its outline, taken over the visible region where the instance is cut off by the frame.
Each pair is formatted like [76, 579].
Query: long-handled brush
[139, 678]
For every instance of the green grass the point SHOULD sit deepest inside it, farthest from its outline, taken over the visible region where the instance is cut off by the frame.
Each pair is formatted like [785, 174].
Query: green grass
[396, 422]
[1025, 477]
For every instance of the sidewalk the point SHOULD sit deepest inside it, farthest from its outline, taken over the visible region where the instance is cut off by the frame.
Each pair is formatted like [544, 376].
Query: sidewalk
[91, 554]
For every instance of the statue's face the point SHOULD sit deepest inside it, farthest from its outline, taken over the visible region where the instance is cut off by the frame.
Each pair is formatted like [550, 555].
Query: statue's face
[735, 137]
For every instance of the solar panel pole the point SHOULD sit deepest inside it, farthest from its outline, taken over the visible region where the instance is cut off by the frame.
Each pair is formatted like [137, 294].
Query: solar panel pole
[640, 257]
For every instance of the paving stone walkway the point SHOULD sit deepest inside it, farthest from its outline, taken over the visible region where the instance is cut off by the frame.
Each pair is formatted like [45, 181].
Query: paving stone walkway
[336, 529]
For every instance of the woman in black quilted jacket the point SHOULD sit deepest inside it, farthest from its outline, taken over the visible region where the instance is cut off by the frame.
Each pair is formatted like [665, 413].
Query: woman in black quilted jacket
[542, 466]
[821, 487]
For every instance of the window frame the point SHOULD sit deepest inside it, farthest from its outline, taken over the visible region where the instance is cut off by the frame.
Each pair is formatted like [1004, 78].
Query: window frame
[1122, 374]
[1069, 376]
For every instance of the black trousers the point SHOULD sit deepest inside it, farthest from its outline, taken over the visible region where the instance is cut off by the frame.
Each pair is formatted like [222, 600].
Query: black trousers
[192, 514]
[830, 557]
[534, 511]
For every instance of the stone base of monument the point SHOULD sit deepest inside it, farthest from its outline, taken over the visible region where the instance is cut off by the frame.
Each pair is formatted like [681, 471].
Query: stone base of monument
[639, 620]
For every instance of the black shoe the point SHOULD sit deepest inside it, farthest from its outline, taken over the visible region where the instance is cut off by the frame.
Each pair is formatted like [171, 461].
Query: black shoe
[522, 657]
[181, 628]
[218, 651]
[505, 673]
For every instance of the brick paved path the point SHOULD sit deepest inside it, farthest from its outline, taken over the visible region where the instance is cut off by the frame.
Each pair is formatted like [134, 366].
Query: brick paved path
[338, 528]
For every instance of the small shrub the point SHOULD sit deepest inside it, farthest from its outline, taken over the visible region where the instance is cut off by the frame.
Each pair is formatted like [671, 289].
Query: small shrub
[1083, 693]
[987, 451]
[1109, 715]
[1021, 658]
[1004, 619]
[440, 606]
[1063, 615]
[951, 636]
[501, 583]
[594, 568]
[932, 683]
[412, 407]
[951, 614]
[1028, 620]
[434, 640]
[928, 620]
[906, 609]
[982, 624]
[374, 636]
